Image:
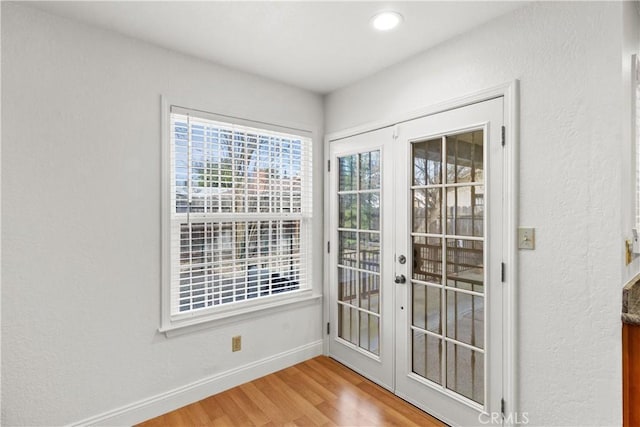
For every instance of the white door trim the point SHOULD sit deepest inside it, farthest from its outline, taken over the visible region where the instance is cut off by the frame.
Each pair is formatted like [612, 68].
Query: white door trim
[510, 93]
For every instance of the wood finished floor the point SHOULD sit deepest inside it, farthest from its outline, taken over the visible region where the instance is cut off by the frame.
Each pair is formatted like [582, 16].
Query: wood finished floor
[318, 392]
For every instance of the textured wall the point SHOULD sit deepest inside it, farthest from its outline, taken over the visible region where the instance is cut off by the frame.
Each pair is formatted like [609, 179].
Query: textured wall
[81, 219]
[568, 59]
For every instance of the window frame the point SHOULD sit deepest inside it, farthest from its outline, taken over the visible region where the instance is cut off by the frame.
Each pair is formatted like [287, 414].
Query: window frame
[194, 320]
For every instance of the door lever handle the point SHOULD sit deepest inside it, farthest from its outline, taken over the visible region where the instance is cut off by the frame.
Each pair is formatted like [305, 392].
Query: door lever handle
[401, 279]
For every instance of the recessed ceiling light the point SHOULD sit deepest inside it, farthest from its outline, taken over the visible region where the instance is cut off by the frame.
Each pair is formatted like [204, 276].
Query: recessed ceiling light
[385, 21]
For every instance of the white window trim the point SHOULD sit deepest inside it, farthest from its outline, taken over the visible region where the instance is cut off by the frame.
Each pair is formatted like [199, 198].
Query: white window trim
[184, 323]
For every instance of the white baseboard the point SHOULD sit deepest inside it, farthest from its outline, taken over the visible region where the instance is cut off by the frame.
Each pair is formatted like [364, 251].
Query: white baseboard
[173, 399]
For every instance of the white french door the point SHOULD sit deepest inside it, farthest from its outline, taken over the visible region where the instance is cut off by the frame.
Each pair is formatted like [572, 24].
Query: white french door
[361, 256]
[449, 326]
[416, 249]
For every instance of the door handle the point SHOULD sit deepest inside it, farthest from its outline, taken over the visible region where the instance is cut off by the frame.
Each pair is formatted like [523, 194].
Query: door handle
[401, 279]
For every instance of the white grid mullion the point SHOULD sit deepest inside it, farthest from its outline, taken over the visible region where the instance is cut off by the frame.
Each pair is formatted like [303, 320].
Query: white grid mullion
[448, 236]
[355, 230]
[448, 185]
[464, 344]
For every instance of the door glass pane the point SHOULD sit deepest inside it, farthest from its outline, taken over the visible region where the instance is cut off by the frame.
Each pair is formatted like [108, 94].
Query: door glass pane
[370, 251]
[347, 172]
[427, 356]
[465, 318]
[347, 285]
[348, 248]
[465, 210]
[370, 170]
[369, 333]
[369, 211]
[344, 322]
[364, 330]
[427, 162]
[347, 323]
[426, 307]
[347, 211]
[465, 157]
[427, 210]
[427, 259]
[465, 372]
[465, 264]
[370, 292]
[374, 334]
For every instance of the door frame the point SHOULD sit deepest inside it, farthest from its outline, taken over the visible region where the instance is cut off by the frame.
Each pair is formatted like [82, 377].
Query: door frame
[510, 93]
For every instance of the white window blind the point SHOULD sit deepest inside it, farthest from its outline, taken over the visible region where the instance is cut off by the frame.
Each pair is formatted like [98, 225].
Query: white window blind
[240, 217]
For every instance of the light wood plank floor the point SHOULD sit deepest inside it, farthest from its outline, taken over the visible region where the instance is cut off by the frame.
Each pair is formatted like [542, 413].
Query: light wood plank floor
[318, 392]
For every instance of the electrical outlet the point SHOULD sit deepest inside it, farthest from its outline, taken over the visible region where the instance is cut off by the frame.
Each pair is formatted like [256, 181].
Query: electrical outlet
[236, 343]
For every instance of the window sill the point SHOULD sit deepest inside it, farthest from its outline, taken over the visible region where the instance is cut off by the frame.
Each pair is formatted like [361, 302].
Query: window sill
[237, 314]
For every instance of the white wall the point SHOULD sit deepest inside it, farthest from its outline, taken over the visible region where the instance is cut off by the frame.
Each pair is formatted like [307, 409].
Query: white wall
[81, 220]
[568, 59]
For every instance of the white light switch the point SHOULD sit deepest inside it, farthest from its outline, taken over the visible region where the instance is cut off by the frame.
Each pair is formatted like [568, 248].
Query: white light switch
[526, 238]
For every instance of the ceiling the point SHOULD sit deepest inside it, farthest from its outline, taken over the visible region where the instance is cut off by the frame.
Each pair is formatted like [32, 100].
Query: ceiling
[316, 45]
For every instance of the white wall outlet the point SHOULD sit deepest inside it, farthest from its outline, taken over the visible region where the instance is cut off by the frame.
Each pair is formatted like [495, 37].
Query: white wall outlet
[526, 238]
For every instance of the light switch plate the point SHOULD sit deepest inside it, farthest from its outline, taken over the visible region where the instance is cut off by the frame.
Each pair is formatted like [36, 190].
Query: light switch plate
[526, 238]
